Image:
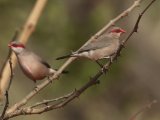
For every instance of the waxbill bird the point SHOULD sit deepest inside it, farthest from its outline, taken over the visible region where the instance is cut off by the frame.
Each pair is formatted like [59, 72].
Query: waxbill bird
[31, 64]
[103, 47]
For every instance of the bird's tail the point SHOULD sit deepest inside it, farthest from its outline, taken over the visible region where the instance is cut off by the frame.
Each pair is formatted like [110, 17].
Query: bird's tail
[65, 72]
[63, 57]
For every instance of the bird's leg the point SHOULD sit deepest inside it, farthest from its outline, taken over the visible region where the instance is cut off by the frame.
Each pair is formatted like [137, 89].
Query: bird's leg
[35, 85]
[49, 79]
[104, 71]
[111, 58]
[99, 63]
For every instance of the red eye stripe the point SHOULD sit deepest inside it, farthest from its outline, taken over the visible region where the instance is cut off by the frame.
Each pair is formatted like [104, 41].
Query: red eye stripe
[118, 31]
[17, 45]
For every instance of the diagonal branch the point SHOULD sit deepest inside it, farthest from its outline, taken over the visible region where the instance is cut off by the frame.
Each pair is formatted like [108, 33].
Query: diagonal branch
[77, 93]
[47, 102]
[11, 77]
[9, 53]
[13, 111]
[8, 59]
[6, 94]
[144, 108]
[28, 29]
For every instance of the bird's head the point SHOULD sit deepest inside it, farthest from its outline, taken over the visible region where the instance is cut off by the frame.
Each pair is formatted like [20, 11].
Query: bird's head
[17, 47]
[117, 31]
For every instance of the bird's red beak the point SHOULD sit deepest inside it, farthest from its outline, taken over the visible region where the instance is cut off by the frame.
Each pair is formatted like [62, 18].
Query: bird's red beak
[123, 31]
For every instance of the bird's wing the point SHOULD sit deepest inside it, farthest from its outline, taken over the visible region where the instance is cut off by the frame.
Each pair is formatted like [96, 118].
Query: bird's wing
[41, 60]
[103, 41]
[46, 64]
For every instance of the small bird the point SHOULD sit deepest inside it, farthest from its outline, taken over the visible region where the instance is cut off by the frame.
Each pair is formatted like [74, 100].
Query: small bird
[31, 64]
[103, 47]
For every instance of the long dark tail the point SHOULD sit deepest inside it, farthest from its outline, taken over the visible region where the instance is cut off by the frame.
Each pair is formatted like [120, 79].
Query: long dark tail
[65, 72]
[63, 57]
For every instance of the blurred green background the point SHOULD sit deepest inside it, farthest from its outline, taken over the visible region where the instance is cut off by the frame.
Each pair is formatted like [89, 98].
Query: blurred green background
[65, 25]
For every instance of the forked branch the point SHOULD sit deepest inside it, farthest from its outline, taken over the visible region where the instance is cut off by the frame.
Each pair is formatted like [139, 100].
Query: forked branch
[17, 109]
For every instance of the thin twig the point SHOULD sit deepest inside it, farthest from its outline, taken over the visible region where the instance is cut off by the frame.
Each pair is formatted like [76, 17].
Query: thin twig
[2, 90]
[6, 105]
[11, 76]
[94, 80]
[6, 94]
[46, 102]
[146, 107]
[70, 60]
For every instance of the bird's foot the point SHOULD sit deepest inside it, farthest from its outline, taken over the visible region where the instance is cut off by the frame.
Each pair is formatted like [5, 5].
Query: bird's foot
[104, 71]
[36, 88]
[111, 58]
[49, 79]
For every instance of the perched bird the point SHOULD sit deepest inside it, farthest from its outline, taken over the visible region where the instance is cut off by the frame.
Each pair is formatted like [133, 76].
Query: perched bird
[103, 47]
[31, 64]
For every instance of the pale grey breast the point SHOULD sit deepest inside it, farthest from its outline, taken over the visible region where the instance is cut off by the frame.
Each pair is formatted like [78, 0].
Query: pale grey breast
[32, 66]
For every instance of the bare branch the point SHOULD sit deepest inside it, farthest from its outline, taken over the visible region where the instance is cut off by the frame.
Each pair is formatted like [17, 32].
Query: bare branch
[27, 30]
[2, 91]
[11, 77]
[92, 82]
[146, 107]
[46, 102]
[70, 60]
[6, 94]
[9, 53]
[17, 110]
[6, 105]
